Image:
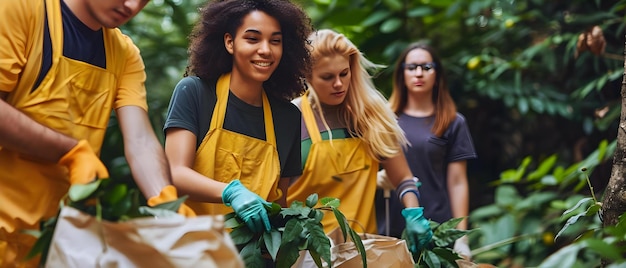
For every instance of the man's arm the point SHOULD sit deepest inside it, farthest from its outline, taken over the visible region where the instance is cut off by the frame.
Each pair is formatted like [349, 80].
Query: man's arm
[143, 151]
[25, 136]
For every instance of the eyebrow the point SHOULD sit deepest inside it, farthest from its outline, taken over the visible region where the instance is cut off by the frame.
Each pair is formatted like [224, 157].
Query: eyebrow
[259, 32]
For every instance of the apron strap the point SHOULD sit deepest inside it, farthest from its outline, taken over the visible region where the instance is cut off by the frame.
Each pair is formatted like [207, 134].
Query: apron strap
[309, 119]
[219, 113]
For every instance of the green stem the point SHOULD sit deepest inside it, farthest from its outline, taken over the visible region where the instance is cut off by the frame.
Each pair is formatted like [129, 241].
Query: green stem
[499, 244]
[98, 209]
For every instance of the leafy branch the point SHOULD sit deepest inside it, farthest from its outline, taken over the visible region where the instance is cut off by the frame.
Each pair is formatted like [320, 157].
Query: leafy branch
[293, 229]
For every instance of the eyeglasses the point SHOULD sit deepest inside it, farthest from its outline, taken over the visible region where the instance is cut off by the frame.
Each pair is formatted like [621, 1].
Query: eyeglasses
[426, 67]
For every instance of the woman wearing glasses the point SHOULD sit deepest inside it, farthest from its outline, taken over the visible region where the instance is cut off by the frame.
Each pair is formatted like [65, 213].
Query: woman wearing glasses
[440, 141]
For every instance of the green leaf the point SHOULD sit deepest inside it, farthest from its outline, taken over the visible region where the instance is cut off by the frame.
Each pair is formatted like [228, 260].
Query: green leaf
[172, 205]
[287, 256]
[317, 259]
[80, 192]
[272, 242]
[157, 212]
[273, 209]
[569, 222]
[330, 202]
[241, 235]
[593, 209]
[376, 17]
[359, 246]
[343, 224]
[580, 203]
[420, 11]
[318, 241]
[292, 232]
[564, 257]
[447, 254]
[543, 169]
[232, 222]
[391, 25]
[606, 250]
[42, 245]
[251, 256]
[311, 201]
[115, 194]
[431, 259]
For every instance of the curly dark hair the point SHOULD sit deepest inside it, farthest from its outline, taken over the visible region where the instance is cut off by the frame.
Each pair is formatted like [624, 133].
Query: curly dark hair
[209, 59]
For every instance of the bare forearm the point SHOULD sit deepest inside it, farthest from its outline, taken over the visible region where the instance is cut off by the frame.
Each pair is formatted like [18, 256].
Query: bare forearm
[21, 134]
[458, 190]
[459, 199]
[196, 186]
[148, 165]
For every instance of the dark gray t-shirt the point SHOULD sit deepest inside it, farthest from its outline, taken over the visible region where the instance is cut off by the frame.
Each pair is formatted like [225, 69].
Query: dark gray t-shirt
[191, 108]
[428, 157]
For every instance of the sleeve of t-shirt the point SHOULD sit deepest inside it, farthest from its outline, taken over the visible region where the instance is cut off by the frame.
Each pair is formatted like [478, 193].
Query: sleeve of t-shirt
[460, 141]
[293, 164]
[20, 16]
[131, 85]
[183, 108]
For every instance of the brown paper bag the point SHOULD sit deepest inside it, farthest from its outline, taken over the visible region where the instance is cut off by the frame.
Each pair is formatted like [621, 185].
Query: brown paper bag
[80, 240]
[381, 251]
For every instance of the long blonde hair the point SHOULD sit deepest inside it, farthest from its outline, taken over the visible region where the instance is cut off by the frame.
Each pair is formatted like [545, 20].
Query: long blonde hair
[364, 111]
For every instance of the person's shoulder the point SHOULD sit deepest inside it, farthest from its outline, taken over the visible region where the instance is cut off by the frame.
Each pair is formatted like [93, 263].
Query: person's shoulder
[194, 84]
[460, 117]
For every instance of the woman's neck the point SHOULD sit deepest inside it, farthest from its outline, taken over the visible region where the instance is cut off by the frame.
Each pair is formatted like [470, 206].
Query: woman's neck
[248, 91]
[419, 105]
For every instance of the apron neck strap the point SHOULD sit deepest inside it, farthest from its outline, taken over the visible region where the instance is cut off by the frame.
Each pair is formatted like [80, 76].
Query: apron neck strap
[219, 113]
[309, 119]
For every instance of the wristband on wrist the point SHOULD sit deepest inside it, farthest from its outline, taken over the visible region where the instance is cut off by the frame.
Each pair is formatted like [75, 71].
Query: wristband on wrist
[408, 186]
[417, 194]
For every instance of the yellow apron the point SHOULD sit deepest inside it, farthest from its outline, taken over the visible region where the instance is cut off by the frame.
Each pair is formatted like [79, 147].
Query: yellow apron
[225, 156]
[74, 98]
[339, 168]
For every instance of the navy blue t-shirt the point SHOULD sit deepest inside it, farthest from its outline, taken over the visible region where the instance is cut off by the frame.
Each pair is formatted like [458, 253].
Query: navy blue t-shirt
[428, 157]
[79, 43]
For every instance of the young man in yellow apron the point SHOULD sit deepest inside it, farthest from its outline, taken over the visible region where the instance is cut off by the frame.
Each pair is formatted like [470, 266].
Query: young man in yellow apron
[64, 67]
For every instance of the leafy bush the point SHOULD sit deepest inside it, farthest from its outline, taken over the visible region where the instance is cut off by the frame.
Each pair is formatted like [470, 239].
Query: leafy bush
[293, 229]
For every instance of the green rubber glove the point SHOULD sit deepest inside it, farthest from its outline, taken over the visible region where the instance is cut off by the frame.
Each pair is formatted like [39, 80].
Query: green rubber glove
[248, 206]
[417, 229]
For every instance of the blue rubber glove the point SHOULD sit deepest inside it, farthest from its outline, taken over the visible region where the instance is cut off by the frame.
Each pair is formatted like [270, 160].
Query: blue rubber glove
[417, 229]
[247, 205]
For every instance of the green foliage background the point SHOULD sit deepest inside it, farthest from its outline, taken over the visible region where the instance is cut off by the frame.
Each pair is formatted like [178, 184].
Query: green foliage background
[525, 94]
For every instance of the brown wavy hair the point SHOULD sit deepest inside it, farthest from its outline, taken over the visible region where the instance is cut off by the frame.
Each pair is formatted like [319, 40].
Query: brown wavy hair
[209, 59]
[445, 108]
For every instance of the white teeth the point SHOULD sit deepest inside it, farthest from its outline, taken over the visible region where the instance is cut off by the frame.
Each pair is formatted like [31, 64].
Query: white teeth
[262, 64]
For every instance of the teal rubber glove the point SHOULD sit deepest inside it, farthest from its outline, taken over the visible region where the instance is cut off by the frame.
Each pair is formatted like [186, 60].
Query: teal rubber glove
[248, 206]
[417, 229]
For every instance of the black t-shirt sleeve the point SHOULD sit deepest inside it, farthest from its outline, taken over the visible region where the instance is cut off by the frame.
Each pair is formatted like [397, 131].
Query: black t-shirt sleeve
[461, 145]
[189, 100]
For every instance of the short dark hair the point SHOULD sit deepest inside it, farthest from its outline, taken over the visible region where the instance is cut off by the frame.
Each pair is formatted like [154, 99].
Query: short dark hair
[209, 59]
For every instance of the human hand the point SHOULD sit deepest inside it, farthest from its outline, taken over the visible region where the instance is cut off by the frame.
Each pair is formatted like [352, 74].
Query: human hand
[382, 180]
[168, 193]
[417, 228]
[461, 247]
[247, 205]
[83, 164]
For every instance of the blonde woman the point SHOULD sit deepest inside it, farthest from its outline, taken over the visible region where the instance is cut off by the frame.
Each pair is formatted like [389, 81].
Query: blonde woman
[347, 131]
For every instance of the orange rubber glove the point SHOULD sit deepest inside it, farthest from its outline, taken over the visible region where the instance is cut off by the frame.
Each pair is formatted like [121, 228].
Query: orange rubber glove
[83, 164]
[168, 193]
